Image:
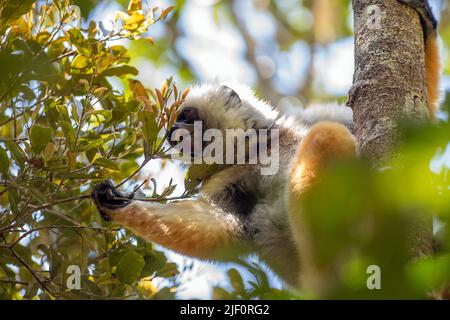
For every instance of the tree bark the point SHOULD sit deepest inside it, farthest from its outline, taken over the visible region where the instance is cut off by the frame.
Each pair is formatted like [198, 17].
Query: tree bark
[389, 86]
[389, 78]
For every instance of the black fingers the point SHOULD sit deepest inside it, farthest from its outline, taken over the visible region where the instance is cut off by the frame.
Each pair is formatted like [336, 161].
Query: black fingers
[107, 198]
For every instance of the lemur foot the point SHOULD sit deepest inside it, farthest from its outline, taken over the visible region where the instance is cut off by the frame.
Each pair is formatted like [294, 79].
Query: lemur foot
[429, 22]
[325, 142]
[107, 198]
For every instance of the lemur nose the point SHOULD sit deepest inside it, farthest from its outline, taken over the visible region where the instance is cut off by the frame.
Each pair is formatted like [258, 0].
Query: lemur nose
[170, 133]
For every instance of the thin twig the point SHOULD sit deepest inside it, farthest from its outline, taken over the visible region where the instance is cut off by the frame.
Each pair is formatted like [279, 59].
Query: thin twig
[23, 283]
[33, 273]
[134, 173]
[26, 234]
[185, 196]
[53, 203]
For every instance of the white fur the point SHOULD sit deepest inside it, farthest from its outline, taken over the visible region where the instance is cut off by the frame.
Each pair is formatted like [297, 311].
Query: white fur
[255, 113]
[209, 100]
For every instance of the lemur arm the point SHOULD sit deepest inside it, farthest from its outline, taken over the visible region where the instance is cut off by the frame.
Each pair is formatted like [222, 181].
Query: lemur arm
[191, 227]
[432, 57]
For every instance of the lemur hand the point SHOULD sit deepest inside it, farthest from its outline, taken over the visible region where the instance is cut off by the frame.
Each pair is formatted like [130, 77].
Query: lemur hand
[107, 198]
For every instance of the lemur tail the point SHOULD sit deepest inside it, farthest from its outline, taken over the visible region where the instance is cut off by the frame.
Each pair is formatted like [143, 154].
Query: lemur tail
[432, 73]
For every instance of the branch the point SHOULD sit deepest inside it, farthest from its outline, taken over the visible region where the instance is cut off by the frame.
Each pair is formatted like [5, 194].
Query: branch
[53, 203]
[42, 283]
[26, 234]
[23, 283]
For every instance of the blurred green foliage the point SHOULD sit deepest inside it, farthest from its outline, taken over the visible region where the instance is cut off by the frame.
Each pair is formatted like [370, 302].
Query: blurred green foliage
[384, 217]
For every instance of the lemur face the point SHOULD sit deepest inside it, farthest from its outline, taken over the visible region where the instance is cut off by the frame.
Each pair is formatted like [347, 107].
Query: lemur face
[185, 120]
[201, 113]
[224, 107]
[211, 116]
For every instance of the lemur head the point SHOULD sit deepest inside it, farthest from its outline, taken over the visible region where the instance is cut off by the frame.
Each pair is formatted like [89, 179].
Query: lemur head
[231, 106]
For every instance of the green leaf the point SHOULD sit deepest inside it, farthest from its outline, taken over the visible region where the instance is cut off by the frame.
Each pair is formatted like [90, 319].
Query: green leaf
[56, 262]
[153, 262]
[32, 289]
[236, 280]
[69, 133]
[130, 267]
[106, 163]
[37, 194]
[169, 270]
[27, 93]
[197, 173]
[79, 41]
[4, 161]
[80, 64]
[149, 127]
[120, 71]
[117, 255]
[106, 114]
[14, 9]
[39, 137]
[14, 200]
[16, 152]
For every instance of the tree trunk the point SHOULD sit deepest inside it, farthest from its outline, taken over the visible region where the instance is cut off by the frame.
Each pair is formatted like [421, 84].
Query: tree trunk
[389, 78]
[389, 86]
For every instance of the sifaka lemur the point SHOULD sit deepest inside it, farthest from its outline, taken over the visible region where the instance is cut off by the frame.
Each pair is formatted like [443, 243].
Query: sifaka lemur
[239, 211]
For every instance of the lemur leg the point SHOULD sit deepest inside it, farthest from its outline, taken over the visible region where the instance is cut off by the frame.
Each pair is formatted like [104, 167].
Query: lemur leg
[432, 56]
[193, 228]
[325, 142]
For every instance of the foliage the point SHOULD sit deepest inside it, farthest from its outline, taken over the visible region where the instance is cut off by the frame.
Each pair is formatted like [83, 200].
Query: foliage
[64, 127]
[258, 287]
[382, 217]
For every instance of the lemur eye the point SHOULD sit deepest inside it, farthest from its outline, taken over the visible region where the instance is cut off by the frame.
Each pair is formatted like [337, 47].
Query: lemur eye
[188, 115]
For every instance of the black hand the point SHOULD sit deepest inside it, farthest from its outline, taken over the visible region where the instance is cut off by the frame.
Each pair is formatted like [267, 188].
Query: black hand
[106, 196]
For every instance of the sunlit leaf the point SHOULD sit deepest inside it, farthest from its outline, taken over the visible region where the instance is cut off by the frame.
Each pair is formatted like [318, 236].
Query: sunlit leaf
[39, 137]
[129, 267]
[106, 163]
[134, 5]
[120, 71]
[16, 152]
[134, 21]
[4, 161]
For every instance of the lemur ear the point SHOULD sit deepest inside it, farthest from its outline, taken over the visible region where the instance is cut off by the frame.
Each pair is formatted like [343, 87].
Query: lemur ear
[233, 98]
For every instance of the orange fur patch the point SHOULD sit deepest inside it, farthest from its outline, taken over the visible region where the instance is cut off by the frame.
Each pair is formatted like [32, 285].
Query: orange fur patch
[432, 67]
[192, 228]
[324, 142]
